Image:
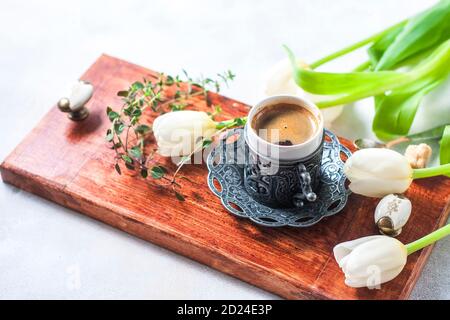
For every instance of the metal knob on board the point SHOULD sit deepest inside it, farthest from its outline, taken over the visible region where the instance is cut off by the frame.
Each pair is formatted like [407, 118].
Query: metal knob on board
[75, 102]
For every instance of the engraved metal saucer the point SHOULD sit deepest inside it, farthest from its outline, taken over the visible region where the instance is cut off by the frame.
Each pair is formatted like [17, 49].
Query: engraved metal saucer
[225, 179]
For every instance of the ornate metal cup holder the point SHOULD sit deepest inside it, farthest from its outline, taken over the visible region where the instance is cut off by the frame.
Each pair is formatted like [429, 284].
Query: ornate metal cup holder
[226, 180]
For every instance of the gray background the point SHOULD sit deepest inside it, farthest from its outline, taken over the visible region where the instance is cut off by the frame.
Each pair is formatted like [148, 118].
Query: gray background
[47, 251]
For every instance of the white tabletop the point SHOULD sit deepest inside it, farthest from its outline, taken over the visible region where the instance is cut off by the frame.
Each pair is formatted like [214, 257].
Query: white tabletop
[47, 251]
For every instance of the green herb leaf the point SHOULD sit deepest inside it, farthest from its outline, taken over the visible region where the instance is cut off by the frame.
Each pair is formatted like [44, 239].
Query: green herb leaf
[239, 121]
[158, 172]
[169, 80]
[128, 111]
[117, 167]
[135, 152]
[109, 137]
[186, 75]
[112, 115]
[119, 127]
[230, 75]
[136, 113]
[177, 106]
[179, 196]
[126, 158]
[134, 120]
[206, 143]
[116, 145]
[144, 173]
[217, 109]
[122, 93]
[142, 129]
[137, 85]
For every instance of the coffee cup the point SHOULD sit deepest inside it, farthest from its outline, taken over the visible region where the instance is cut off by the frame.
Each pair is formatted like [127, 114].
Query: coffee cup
[284, 138]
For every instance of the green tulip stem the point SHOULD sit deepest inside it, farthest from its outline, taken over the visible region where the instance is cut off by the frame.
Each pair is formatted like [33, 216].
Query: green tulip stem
[428, 239]
[363, 66]
[355, 46]
[443, 169]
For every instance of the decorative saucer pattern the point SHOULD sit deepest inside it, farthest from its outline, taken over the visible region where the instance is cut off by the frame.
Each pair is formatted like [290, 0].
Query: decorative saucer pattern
[226, 180]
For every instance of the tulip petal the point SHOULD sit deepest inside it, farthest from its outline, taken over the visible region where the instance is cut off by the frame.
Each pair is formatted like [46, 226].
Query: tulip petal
[372, 279]
[380, 254]
[343, 249]
[388, 275]
[379, 162]
[280, 80]
[377, 172]
[356, 282]
[377, 188]
[180, 133]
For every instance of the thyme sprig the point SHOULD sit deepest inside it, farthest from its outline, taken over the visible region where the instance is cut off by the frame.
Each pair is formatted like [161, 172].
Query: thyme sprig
[130, 133]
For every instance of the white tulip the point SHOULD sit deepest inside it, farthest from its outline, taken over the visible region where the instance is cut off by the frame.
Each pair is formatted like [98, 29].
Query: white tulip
[279, 80]
[376, 172]
[370, 261]
[180, 133]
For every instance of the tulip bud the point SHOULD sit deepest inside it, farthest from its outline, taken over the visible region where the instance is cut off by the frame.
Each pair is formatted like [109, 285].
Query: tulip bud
[180, 133]
[280, 81]
[376, 172]
[370, 261]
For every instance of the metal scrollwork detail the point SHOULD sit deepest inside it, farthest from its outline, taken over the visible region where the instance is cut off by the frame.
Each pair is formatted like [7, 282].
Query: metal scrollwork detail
[226, 180]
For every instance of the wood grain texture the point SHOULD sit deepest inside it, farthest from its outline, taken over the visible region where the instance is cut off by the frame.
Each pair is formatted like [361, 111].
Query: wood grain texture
[70, 164]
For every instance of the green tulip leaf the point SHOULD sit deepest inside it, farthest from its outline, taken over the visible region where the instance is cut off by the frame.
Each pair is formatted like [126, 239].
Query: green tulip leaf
[421, 32]
[327, 83]
[395, 112]
[444, 151]
[377, 50]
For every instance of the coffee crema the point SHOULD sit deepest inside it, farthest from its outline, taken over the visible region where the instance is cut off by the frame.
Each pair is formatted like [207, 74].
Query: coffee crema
[285, 124]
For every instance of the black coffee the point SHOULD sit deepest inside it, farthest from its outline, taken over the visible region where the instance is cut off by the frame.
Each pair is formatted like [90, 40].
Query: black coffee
[285, 124]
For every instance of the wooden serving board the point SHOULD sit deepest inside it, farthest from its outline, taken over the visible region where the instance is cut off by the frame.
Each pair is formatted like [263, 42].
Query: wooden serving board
[70, 164]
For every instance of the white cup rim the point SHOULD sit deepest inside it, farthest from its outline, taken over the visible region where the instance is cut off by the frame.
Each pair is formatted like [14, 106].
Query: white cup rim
[310, 145]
